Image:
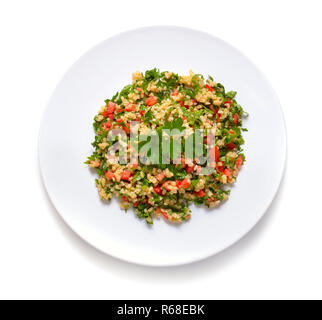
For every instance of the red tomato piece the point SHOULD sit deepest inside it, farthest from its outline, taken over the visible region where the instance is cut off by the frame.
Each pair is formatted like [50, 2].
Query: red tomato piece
[158, 190]
[107, 125]
[235, 118]
[227, 172]
[231, 146]
[209, 88]
[229, 101]
[105, 114]
[159, 211]
[151, 101]
[126, 174]
[160, 176]
[214, 153]
[239, 162]
[109, 175]
[185, 183]
[200, 193]
[111, 107]
[126, 128]
[130, 107]
[221, 167]
[190, 169]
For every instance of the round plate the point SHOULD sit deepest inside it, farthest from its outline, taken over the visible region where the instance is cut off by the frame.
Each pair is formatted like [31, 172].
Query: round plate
[66, 134]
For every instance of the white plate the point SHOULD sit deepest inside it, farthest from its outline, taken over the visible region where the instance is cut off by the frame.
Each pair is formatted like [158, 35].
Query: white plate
[66, 134]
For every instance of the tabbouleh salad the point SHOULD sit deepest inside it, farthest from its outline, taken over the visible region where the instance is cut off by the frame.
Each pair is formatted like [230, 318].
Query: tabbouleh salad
[159, 100]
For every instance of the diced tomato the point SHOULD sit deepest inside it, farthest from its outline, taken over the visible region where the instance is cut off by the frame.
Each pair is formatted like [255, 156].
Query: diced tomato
[109, 175]
[227, 172]
[235, 118]
[209, 88]
[151, 101]
[214, 153]
[175, 92]
[178, 183]
[229, 101]
[182, 103]
[111, 116]
[107, 125]
[158, 190]
[160, 211]
[231, 146]
[185, 183]
[135, 204]
[190, 169]
[130, 107]
[111, 107]
[239, 162]
[119, 120]
[105, 113]
[221, 166]
[218, 117]
[124, 198]
[142, 112]
[126, 174]
[120, 110]
[194, 101]
[200, 193]
[165, 215]
[126, 128]
[160, 176]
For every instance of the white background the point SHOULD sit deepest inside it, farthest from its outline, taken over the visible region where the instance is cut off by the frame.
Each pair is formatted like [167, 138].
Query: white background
[41, 258]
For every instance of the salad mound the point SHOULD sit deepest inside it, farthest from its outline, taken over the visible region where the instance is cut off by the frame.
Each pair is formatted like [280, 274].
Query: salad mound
[160, 102]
